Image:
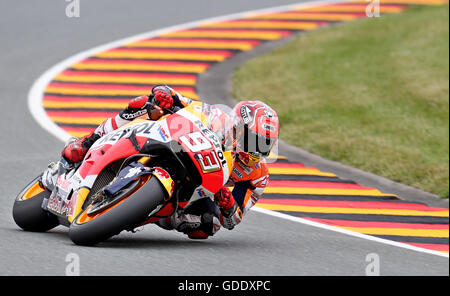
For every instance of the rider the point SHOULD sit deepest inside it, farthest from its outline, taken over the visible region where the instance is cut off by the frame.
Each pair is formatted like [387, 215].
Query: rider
[255, 132]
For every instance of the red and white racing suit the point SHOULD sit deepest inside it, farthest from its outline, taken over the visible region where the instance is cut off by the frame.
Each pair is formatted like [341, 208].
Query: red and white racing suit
[249, 184]
[204, 218]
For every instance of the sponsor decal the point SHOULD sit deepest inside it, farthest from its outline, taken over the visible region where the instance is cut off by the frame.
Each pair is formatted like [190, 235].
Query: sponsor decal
[165, 179]
[237, 172]
[55, 203]
[201, 192]
[246, 114]
[163, 133]
[268, 127]
[247, 170]
[162, 173]
[132, 172]
[141, 129]
[129, 116]
[59, 205]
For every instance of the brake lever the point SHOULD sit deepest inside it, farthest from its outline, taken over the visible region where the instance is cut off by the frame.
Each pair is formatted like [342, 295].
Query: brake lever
[152, 106]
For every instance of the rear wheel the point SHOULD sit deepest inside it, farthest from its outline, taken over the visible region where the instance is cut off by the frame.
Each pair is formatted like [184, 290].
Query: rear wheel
[27, 211]
[127, 209]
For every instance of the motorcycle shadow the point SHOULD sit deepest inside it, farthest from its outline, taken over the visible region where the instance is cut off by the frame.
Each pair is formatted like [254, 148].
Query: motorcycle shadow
[145, 240]
[175, 241]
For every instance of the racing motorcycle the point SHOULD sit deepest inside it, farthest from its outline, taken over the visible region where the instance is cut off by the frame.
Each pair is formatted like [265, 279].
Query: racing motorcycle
[135, 175]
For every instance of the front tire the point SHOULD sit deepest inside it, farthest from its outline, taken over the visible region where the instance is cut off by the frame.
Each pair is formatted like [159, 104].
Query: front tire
[90, 229]
[27, 211]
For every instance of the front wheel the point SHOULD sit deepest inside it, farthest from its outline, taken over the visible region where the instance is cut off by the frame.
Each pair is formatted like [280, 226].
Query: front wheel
[27, 211]
[98, 223]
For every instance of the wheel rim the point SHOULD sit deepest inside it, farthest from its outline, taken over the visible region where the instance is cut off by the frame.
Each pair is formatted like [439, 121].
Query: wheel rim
[31, 190]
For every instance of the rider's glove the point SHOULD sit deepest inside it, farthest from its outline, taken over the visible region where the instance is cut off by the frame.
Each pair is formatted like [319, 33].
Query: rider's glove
[225, 200]
[76, 149]
[163, 99]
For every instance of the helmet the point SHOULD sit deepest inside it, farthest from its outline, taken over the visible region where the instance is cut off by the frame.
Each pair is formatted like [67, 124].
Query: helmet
[255, 130]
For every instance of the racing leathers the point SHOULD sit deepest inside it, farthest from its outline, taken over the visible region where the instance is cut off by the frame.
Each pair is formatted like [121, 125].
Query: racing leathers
[205, 216]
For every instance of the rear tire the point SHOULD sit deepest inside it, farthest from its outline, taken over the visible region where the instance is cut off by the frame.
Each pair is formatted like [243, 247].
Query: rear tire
[28, 213]
[126, 214]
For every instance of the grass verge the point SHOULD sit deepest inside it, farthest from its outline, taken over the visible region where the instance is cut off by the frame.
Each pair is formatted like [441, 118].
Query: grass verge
[372, 93]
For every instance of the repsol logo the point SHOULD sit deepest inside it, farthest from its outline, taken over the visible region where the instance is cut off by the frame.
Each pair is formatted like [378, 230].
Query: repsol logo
[143, 128]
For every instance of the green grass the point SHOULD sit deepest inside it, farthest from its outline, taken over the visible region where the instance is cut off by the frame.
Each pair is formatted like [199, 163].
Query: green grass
[372, 93]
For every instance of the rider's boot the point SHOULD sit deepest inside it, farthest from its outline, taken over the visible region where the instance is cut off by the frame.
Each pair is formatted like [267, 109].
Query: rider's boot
[195, 226]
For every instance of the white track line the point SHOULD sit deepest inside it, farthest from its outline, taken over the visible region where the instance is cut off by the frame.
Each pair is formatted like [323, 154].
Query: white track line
[35, 97]
[348, 232]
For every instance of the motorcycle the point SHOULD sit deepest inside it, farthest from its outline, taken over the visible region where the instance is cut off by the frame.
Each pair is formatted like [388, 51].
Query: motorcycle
[135, 175]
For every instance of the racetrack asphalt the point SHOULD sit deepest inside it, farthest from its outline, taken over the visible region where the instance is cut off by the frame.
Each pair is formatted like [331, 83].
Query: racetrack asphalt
[34, 37]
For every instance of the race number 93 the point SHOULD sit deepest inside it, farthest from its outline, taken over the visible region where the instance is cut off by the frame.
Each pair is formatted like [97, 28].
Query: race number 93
[196, 142]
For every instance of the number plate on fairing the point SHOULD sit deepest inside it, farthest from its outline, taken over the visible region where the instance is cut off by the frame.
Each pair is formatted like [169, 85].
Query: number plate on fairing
[63, 198]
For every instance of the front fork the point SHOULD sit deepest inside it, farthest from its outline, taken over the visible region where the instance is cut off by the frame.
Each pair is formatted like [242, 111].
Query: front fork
[50, 176]
[54, 170]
